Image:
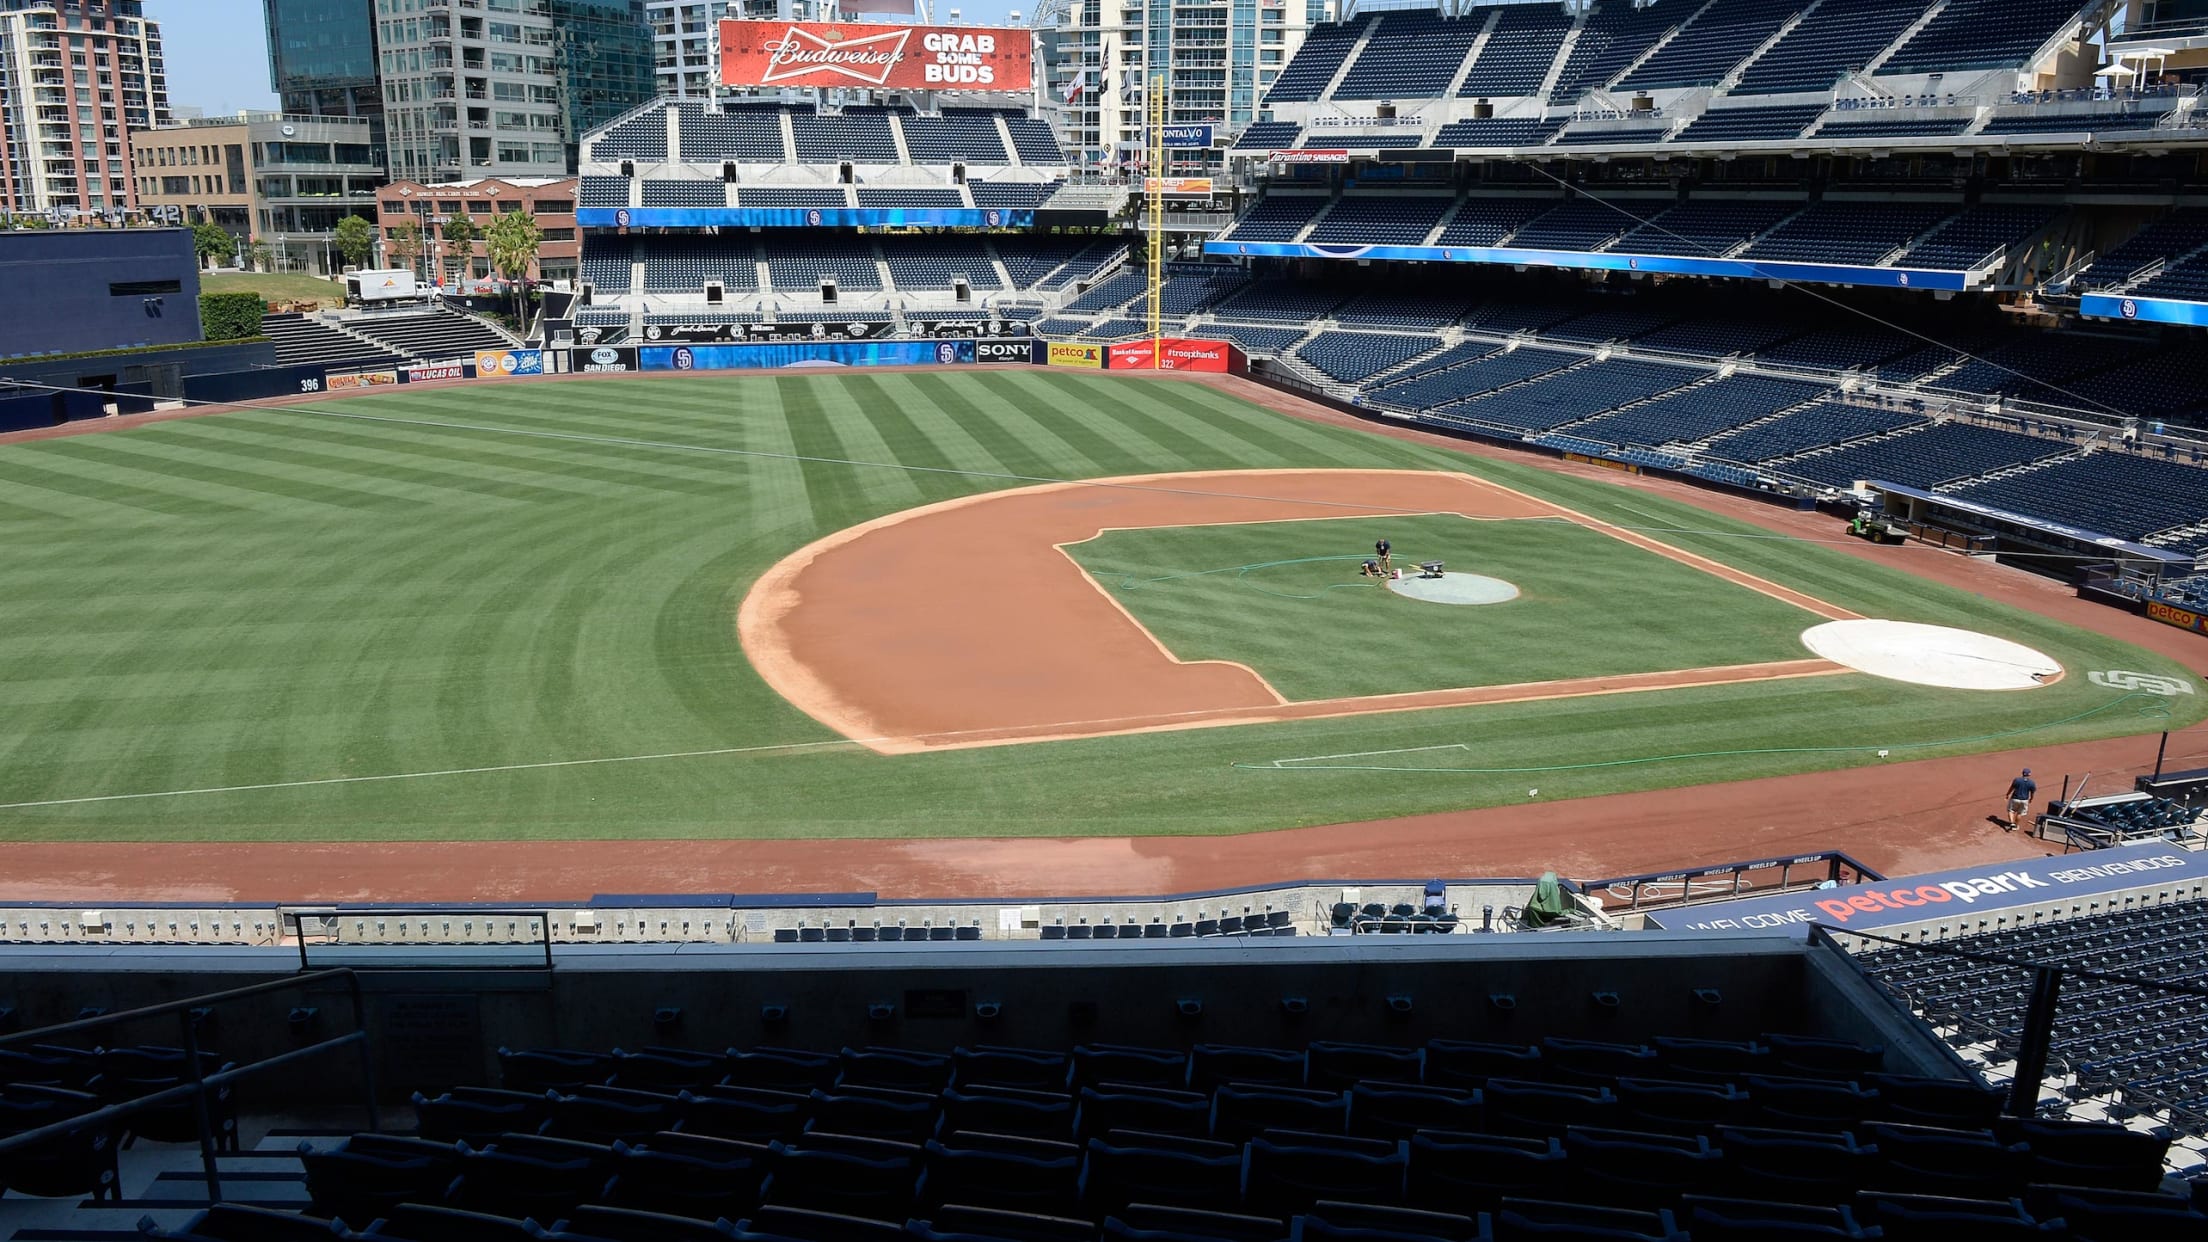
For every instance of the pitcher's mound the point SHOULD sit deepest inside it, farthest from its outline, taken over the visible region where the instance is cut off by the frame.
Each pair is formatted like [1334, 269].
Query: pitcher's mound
[1454, 589]
[1931, 655]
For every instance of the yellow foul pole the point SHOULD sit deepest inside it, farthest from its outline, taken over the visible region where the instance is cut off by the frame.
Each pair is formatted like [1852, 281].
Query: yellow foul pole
[1156, 207]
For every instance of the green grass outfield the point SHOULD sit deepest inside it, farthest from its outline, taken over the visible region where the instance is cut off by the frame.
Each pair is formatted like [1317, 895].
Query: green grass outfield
[1315, 629]
[543, 574]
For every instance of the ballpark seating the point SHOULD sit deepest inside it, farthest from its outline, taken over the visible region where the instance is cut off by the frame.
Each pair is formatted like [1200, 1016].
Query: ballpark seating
[1580, 225]
[1974, 237]
[1612, 38]
[854, 136]
[1188, 290]
[1116, 329]
[1713, 41]
[2026, 366]
[1713, 338]
[2114, 1037]
[796, 266]
[957, 136]
[1698, 413]
[792, 196]
[1382, 220]
[1256, 340]
[1121, 289]
[1556, 398]
[1611, 136]
[1838, 35]
[1737, 124]
[1464, 371]
[677, 263]
[901, 196]
[2137, 816]
[1414, 55]
[934, 262]
[1839, 349]
[1270, 135]
[1517, 57]
[1033, 141]
[1011, 195]
[2096, 121]
[2107, 493]
[2180, 232]
[2185, 281]
[1030, 260]
[1926, 457]
[1510, 318]
[1611, 324]
[1411, 309]
[1277, 217]
[1981, 34]
[1498, 131]
[1871, 125]
[1280, 301]
[1824, 425]
[1317, 61]
[641, 137]
[603, 192]
[1353, 357]
[434, 336]
[302, 340]
[747, 134]
[1454, 356]
[685, 194]
[1489, 221]
[2173, 384]
[1851, 232]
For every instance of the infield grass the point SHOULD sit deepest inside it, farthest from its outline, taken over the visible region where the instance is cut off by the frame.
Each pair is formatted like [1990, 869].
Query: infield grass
[1285, 598]
[530, 589]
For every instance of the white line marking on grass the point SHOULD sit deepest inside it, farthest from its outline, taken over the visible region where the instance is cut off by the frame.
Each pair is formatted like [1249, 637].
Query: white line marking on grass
[1371, 754]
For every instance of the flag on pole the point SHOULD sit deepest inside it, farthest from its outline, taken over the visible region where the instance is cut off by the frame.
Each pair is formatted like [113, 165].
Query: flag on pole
[1075, 88]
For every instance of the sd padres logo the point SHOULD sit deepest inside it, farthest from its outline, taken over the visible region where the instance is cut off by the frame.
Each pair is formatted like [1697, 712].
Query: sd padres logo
[812, 217]
[1903, 279]
[621, 218]
[995, 218]
[946, 352]
[684, 359]
[2143, 683]
[2129, 309]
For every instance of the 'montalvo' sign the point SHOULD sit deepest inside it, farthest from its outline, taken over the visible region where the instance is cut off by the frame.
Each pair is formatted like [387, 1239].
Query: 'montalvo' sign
[1973, 891]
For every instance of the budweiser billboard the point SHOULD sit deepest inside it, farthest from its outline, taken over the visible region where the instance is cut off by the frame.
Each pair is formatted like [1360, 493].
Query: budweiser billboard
[918, 58]
[1173, 353]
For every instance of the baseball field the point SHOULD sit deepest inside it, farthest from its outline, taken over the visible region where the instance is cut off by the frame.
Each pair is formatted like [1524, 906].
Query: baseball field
[1001, 603]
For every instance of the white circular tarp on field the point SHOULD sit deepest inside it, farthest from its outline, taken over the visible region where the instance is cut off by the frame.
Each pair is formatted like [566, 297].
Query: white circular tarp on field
[1931, 655]
[1454, 589]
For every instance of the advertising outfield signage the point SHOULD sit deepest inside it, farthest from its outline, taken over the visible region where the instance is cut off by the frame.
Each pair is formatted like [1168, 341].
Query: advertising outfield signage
[1977, 891]
[1183, 187]
[1068, 354]
[1004, 351]
[2143, 310]
[857, 330]
[1173, 353]
[363, 379]
[796, 353]
[970, 327]
[803, 217]
[1186, 137]
[493, 363]
[916, 58]
[1670, 265]
[437, 371]
[602, 360]
[1310, 156]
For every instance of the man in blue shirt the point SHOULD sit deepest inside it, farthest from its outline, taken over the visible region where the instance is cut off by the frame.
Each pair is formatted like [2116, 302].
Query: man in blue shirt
[2021, 791]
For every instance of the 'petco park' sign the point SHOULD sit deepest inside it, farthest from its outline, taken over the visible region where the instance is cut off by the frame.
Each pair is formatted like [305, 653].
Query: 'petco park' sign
[1881, 904]
[917, 58]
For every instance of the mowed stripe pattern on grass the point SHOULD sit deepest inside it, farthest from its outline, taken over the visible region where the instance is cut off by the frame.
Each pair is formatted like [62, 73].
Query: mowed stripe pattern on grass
[285, 595]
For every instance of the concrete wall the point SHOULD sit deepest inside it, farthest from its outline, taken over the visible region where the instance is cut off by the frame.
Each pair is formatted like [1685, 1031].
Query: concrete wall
[435, 1027]
[65, 290]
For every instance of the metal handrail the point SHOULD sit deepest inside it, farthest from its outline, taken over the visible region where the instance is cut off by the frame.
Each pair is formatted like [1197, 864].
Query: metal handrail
[196, 1089]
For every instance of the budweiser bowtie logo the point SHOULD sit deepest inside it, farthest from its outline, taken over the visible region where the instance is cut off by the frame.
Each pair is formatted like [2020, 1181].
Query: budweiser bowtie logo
[802, 53]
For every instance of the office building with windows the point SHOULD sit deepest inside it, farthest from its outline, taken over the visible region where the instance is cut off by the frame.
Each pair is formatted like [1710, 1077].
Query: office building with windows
[283, 181]
[1217, 57]
[77, 77]
[322, 57]
[410, 220]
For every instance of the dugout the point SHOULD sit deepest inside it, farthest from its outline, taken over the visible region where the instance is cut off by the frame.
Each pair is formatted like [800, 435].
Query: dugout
[2038, 544]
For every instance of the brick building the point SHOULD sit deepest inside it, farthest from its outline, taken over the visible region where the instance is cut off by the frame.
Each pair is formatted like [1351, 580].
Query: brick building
[77, 78]
[550, 200]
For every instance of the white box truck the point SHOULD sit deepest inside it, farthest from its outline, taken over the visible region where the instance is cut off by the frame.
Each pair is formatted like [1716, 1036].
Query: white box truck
[378, 285]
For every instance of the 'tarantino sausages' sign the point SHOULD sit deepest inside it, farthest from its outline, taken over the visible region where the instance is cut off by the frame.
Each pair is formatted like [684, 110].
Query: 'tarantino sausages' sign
[971, 58]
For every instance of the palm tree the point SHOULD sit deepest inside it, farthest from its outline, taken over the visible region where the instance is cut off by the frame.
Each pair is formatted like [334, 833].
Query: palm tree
[512, 241]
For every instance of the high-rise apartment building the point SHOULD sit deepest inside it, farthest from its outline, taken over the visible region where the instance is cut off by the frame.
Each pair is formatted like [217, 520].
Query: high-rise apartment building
[1218, 58]
[682, 44]
[76, 78]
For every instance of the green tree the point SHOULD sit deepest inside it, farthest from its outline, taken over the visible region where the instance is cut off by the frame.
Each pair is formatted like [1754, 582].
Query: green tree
[212, 243]
[512, 241]
[460, 235]
[356, 240]
[406, 243]
[258, 256]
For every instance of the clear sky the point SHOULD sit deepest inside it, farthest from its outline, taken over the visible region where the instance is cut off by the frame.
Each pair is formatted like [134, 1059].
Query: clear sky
[217, 50]
[217, 53]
